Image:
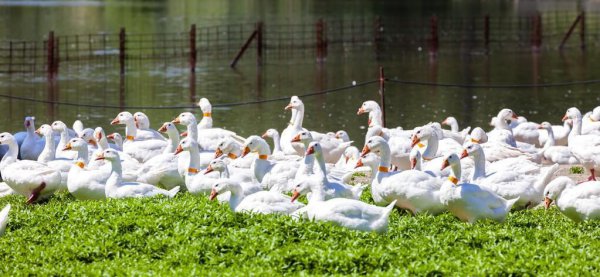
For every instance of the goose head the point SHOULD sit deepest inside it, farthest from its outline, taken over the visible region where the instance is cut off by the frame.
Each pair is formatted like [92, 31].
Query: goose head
[59, 126]
[451, 160]
[168, 127]
[215, 165]
[141, 120]
[301, 187]
[123, 118]
[108, 154]
[506, 114]
[478, 135]
[595, 116]
[29, 123]
[555, 188]
[227, 145]
[472, 149]
[185, 118]
[205, 105]
[45, 130]
[271, 133]
[75, 144]
[314, 148]
[295, 103]
[116, 137]
[351, 153]
[421, 134]
[252, 143]
[220, 187]
[368, 106]
[303, 137]
[343, 135]
[545, 125]
[572, 113]
[374, 145]
[88, 135]
[6, 138]
[186, 144]
[370, 159]
[449, 121]
[99, 134]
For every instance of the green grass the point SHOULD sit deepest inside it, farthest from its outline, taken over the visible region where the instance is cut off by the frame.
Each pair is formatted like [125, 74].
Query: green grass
[190, 235]
[576, 170]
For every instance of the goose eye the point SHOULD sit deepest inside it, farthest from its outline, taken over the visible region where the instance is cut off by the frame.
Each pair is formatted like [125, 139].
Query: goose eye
[217, 185]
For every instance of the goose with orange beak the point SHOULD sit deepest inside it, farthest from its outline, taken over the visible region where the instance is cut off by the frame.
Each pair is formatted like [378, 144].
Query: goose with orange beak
[271, 174]
[579, 202]
[196, 182]
[502, 131]
[586, 148]
[374, 110]
[31, 145]
[242, 177]
[85, 183]
[61, 128]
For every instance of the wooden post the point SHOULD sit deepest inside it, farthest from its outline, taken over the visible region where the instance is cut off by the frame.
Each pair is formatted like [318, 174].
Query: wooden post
[50, 54]
[434, 42]
[193, 50]
[259, 45]
[10, 56]
[122, 50]
[486, 31]
[536, 41]
[243, 49]
[571, 29]
[320, 44]
[56, 56]
[382, 94]
[582, 30]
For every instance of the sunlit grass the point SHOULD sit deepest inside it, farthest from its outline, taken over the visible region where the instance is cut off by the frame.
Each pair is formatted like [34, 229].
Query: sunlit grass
[191, 235]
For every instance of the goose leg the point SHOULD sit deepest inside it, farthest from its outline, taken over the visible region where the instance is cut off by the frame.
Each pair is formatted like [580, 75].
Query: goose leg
[35, 194]
[593, 176]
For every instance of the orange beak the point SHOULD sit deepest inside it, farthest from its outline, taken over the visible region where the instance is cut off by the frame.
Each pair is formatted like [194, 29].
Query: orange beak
[359, 164]
[67, 147]
[92, 142]
[415, 140]
[115, 121]
[213, 194]
[100, 157]
[565, 117]
[464, 154]
[99, 136]
[246, 151]
[179, 149]
[360, 111]
[296, 138]
[264, 135]
[218, 153]
[184, 134]
[547, 202]
[38, 131]
[111, 136]
[445, 164]
[176, 120]
[310, 151]
[209, 169]
[515, 116]
[366, 150]
[295, 195]
[444, 122]
[289, 106]
[337, 136]
[163, 128]
[540, 127]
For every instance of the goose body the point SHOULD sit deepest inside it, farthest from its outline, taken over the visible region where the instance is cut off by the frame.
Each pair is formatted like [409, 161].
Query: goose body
[4, 219]
[586, 148]
[579, 202]
[139, 148]
[272, 175]
[553, 153]
[32, 144]
[85, 183]
[144, 132]
[195, 182]
[209, 136]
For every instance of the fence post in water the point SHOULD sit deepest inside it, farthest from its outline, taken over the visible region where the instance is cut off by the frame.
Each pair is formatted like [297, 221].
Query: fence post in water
[382, 94]
[570, 31]
[193, 50]
[50, 54]
[56, 56]
[320, 43]
[433, 43]
[122, 50]
[259, 41]
[537, 33]
[486, 32]
[243, 49]
[582, 31]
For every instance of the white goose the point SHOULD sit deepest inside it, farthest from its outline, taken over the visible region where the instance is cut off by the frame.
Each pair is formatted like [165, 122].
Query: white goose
[209, 136]
[142, 123]
[189, 120]
[561, 134]
[349, 213]
[415, 191]
[32, 179]
[502, 132]
[272, 175]
[512, 182]
[4, 219]
[249, 185]
[195, 182]
[591, 122]
[273, 134]
[586, 148]
[141, 149]
[553, 153]
[48, 155]
[470, 202]
[61, 127]
[342, 135]
[87, 135]
[85, 183]
[293, 127]
[233, 150]
[116, 188]
[579, 202]
[455, 133]
[32, 144]
[332, 148]
[348, 159]
[264, 202]
[400, 146]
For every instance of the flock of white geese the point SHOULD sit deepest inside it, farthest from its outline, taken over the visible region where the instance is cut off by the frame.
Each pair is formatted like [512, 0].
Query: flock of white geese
[473, 175]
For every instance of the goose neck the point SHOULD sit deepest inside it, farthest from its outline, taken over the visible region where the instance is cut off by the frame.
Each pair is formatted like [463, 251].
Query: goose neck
[194, 159]
[276, 143]
[263, 148]
[454, 126]
[82, 154]
[479, 164]
[192, 130]
[49, 151]
[130, 130]
[10, 156]
[385, 156]
[299, 117]
[237, 195]
[432, 147]
[375, 117]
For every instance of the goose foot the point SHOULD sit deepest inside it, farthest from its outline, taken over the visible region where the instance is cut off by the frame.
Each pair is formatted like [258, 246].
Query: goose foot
[35, 194]
[593, 176]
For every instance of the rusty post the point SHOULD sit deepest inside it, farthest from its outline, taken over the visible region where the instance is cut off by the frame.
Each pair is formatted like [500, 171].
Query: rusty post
[320, 44]
[259, 45]
[193, 49]
[382, 94]
[122, 50]
[56, 56]
[486, 31]
[536, 41]
[582, 30]
[50, 54]
[571, 29]
[433, 43]
[243, 49]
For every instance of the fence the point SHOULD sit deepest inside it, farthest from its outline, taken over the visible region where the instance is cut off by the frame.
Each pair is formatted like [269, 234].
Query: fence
[313, 41]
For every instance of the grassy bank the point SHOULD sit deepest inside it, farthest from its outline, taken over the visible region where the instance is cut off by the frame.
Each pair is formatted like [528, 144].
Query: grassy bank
[189, 234]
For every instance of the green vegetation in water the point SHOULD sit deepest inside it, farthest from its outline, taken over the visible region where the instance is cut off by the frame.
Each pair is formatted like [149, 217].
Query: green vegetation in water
[576, 170]
[190, 235]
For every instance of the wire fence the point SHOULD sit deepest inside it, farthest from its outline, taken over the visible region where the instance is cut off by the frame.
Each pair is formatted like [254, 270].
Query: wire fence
[312, 41]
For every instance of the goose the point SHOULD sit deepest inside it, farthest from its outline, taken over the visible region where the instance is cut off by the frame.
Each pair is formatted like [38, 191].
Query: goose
[32, 179]
[349, 213]
[527, 132]
[116, 188]
[87, 135]
[305, 137]
[264, 202]
[48, 155]
[415, 191]
[271, 174]
[163, 169]
[4, 218]
[553, 153]
[32, 144]
[195, 183]
[591, 122]
[374, 110]
[233, 150]
[512, 182]
[290, 131]
[455, 133]
[139, 148]
[332, 148]
[209, 136]
[400, 146]
[117, 139]
[249, 185]
[61, 127]
[579, 202]
[142, 123]
[342, 135]
[130, 165]
[477, 135]
[370, 163]
[85, 183]
[77, 127]
[272, 133]
[189, 120]
[502, 132]
[470, 202]
[328, 189]
[433, 146]
[561, 134]
[586, 148]
[5, 190]
[348, 159]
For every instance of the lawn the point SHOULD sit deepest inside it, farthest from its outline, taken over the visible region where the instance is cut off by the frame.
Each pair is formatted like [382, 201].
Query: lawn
[191, 235]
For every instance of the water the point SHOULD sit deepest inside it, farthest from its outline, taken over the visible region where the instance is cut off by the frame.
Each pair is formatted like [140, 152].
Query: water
[170, 84]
